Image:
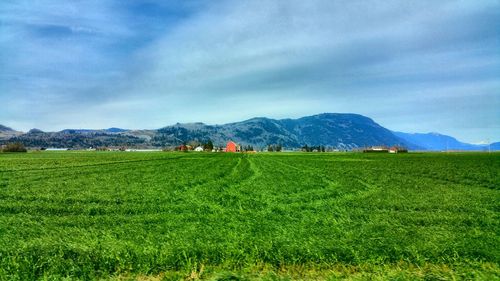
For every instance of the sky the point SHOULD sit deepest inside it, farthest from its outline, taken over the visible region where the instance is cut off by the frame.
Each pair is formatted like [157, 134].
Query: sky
[412, 66]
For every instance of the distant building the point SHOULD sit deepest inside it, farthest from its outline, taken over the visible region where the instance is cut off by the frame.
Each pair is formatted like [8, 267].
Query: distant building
[375, 149]
[398, 149]
[142, 150]
[232, 147]
[198, 149]
[385, 149]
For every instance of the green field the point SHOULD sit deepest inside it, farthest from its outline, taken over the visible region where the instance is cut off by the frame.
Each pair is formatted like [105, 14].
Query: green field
[271, 216]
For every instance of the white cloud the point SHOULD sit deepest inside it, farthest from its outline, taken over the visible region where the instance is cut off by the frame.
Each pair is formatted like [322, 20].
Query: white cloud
[232, 60]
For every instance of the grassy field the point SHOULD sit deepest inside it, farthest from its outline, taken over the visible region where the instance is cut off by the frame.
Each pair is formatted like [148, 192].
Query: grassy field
[171, 216]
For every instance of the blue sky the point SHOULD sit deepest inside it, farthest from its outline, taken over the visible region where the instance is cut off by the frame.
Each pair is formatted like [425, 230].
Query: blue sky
[413, 66]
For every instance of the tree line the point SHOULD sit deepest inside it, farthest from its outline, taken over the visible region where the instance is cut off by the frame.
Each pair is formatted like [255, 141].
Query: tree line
[319, 148]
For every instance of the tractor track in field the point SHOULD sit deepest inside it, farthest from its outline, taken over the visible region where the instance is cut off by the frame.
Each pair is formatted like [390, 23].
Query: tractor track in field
[231, 180]
[255, 169]
[135, 206]
[251, 167]
[327, 181]
[369, 188]
[225, 178]
[235, 168]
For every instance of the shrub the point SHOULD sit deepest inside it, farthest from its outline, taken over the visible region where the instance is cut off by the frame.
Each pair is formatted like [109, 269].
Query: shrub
[14, 147]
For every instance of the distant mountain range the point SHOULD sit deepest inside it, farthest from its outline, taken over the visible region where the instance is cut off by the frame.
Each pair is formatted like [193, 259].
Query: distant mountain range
[335, 130]
[440, 142]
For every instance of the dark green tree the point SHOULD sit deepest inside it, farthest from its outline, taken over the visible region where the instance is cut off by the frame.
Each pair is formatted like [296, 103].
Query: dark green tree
[209, 145]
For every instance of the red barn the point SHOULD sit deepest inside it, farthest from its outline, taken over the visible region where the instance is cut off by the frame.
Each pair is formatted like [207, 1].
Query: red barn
[232, 147]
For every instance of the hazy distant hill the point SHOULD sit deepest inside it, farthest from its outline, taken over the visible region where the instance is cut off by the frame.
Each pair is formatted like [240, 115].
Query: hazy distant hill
[6, 132]
[77, 139]
[5, 129]
[115, 130]
[438, 142]
[87, 131]
[494, 146]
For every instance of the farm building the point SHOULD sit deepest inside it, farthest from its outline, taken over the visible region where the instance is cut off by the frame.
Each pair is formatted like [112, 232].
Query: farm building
[182, 147]
[398, 149]
[232, 147]
[375, 149]
[198, 149]
[141, 150]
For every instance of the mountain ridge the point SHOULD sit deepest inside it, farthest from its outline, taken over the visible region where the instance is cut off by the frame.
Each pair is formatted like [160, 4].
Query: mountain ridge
[340, 130]
[7, 132]
[343, 131]
[5, 128]
[438, 142]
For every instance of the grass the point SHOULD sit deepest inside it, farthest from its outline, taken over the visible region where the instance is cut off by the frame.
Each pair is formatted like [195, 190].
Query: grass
[171, 216]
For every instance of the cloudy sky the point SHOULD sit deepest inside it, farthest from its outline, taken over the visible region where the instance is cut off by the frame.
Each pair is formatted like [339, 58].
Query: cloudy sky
[413, 66]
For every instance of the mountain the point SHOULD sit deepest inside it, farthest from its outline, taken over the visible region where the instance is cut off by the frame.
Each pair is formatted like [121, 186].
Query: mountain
[77, 138]
[6, 132]
[35, 131]
[343, 131]
[438, 142]
[85, 131]
[336, 130]
[494, 146]
[115, 130]
[5, 129]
